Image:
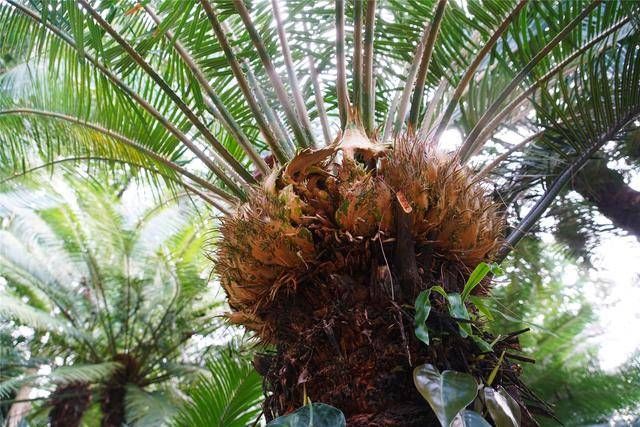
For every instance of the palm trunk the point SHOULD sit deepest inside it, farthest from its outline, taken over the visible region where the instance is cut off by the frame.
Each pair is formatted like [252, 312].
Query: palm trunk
[19, 410]
[605, 188]
[327, 266]
[113, 406]
[112, 401]
[358, 351]
[69, 403]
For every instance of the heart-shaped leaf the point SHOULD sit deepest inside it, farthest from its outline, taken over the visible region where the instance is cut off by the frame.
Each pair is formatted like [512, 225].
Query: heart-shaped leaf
[503, 408]
[423, 308]
[313, 415]
[469, 419]
[447, 393]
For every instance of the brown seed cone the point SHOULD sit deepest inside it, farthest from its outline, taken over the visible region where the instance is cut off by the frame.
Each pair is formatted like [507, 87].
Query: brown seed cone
[310, 264]
[68, 403]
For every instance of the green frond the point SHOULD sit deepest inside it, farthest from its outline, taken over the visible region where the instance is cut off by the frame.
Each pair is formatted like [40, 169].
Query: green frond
[85, 373]
[229, 396]
[150, 409]
[15, 309]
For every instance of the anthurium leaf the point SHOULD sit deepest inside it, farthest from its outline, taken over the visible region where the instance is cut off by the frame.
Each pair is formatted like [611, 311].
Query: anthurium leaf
[458, 310]
[503, 408]
[312, 415]
[447, 393]
[469, 419]
[423, 307]
[479, 273]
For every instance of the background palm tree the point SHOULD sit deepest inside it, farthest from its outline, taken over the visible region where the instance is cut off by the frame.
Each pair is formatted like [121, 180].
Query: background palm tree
[195, 96]
[562, 325]
[114, 301]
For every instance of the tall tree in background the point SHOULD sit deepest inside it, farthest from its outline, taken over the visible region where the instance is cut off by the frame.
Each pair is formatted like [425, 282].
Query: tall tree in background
[329, 237]
[114, 305]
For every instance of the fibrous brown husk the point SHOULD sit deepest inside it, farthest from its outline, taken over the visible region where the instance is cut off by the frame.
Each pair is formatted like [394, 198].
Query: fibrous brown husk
[68, 403]
[112, 400]
[312, 264]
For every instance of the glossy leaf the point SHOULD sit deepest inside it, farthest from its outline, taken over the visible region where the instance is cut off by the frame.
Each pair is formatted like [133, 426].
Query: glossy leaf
[448, 392]
[313, 415]
[469, 419]
[423, 308]
[504, 410]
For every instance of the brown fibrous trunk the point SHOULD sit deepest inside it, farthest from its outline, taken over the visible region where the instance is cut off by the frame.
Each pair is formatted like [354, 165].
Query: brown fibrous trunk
[69, 403]
[326, 260]
[112, 399]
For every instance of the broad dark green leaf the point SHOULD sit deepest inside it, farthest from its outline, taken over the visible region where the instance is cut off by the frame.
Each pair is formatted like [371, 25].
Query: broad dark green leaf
[504, 410]
[468, 418]
[448, 392]
[312, 415]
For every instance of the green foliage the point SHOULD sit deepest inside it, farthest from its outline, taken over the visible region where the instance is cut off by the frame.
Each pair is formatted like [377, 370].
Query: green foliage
[468, 418]
[423, 308]
[448, 392]
[229, 395]
[565, 373]
[311, 415]
[503, 408]
[119, 285]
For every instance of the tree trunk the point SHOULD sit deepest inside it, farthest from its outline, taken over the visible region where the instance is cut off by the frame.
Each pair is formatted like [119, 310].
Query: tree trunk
[112, 401]
[19, 410]
[69, 403]
[605, 188]
[325, 264]
[355, 345]
[112, 405]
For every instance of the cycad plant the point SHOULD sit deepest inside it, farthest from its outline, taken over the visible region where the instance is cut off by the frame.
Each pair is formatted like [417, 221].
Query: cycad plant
[321, 131]
[113, 305]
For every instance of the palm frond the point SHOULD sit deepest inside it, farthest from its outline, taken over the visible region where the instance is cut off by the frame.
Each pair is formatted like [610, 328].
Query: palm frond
[228, 397]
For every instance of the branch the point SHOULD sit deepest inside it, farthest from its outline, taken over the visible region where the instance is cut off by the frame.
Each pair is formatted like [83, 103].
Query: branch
[468, 75]
[368, 79]
[495, 122]
[301, 108]
[177, 100]
[303, 135]
[130, 92]
[343, 95]
[128, 142]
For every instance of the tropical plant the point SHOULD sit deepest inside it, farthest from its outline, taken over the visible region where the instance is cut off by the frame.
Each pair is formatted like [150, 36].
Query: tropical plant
[229, 395]
[113, 302]
[560, 329]
[328, 237]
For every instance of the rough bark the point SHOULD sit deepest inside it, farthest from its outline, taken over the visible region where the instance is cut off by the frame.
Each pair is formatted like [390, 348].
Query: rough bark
[348, 342]
[606, 189]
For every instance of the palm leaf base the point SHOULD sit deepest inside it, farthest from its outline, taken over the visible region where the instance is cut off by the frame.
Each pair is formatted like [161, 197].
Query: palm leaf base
[69, 402]
[326, 260]
[112, 399]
